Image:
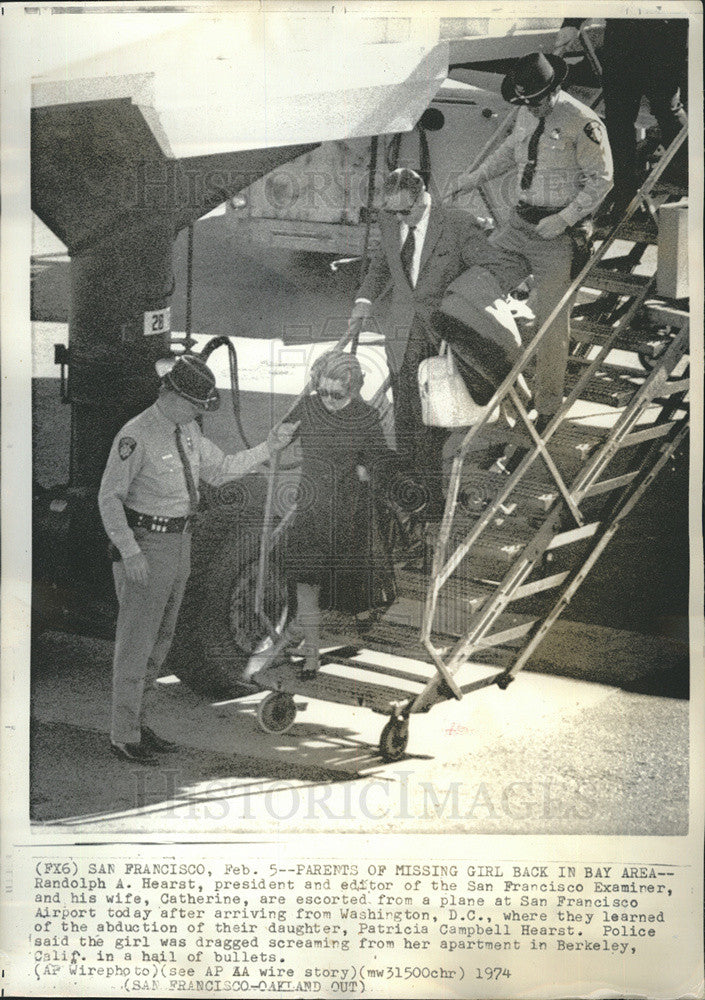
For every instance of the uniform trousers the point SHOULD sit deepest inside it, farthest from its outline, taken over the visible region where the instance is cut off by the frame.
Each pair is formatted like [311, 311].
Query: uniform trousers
[145, 626]
[550, 263]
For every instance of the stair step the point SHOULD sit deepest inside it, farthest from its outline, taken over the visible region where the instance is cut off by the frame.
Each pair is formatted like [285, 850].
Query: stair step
[503, 543]
[504, 636]
[579, 441]
[623, 283]
[460, 596]
[496, 434]
[343, 683]
[580, 364]
[670, 190]
[400, 627]
[639, 341]
[664, 312]
[649, 348]
[634, 232]
[478, 488]
[603, 388]
[590, 331]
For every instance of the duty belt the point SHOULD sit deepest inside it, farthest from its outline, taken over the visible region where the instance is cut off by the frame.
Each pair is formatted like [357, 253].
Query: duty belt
[581, 232]
[534, 213]
[157, 522]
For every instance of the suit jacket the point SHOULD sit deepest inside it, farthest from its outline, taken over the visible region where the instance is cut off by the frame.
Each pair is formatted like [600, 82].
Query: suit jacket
[454, 242]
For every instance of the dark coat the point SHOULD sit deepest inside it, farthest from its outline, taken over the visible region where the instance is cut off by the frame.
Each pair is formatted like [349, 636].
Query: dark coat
[334, 539]
[454, 241]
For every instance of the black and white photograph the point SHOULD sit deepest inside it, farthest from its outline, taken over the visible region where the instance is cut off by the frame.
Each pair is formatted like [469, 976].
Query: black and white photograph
[352, 502]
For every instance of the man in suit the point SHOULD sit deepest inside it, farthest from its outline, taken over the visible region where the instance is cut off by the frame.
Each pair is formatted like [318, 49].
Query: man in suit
[425, 247]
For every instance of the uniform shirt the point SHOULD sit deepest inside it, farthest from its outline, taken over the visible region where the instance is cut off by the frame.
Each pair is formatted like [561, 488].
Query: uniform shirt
[144, 472]
[573, 162]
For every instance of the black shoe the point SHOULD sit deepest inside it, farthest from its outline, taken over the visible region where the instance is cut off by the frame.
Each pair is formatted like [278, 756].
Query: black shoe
[134, 753]
[151, 741]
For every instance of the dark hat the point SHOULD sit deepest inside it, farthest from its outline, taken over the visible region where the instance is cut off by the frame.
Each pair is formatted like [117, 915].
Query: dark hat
[533, 76]
[191, 378]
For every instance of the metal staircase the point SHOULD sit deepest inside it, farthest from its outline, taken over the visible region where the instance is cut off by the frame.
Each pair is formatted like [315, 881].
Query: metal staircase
[514, 548]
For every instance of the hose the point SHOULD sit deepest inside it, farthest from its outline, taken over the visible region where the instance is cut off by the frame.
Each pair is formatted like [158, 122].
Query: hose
[424, 167]
[212, 345]
[224, 341]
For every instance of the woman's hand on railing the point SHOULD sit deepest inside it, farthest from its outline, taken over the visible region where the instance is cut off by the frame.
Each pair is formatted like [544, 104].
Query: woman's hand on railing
[281, 436]
[551, 227]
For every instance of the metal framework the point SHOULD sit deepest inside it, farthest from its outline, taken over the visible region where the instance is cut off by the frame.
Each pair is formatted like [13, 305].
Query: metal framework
[501, 534]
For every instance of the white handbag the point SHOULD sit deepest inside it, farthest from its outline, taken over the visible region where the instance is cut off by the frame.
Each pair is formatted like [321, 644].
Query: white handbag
[445, 399]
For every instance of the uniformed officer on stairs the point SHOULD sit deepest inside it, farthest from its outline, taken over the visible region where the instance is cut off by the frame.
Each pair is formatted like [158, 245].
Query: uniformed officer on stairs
[563, 164]
[147, 499]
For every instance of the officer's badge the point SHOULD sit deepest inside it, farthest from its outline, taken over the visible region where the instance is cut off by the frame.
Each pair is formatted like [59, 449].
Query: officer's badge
[126, 446]
[593, 130]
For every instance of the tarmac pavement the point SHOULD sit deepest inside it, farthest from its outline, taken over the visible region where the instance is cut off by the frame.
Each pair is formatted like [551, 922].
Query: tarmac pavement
[603, 750]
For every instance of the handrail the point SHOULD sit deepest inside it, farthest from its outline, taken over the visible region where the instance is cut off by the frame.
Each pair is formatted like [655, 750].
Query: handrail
[495, 139]
[572, 288]
[440, 573]
[589, 50]
[595, 65]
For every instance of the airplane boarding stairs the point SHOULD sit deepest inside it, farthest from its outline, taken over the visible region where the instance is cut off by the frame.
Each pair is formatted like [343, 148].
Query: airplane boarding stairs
[514, 548]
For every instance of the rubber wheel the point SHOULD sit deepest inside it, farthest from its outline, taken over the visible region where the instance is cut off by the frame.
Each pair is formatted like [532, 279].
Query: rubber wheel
[394, 738]
[217, 631]
[276, 712]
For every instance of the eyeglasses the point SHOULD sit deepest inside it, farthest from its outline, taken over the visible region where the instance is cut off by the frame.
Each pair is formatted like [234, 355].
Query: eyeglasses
[402, 212]
[336, 394]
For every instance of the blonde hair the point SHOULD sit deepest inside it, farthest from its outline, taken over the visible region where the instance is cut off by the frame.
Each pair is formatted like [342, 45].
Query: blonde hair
[341, 366]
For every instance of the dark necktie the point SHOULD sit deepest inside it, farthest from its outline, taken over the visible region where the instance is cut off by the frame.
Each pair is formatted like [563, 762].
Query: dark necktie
[530, 168]
[190, 485]
[407, 253]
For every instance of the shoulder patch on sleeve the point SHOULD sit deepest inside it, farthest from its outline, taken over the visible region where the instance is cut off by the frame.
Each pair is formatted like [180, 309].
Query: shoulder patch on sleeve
[126, 445]
[595, 132]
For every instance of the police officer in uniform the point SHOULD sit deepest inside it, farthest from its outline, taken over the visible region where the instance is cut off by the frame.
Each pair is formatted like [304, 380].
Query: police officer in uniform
[147, 497]
[563, 164]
